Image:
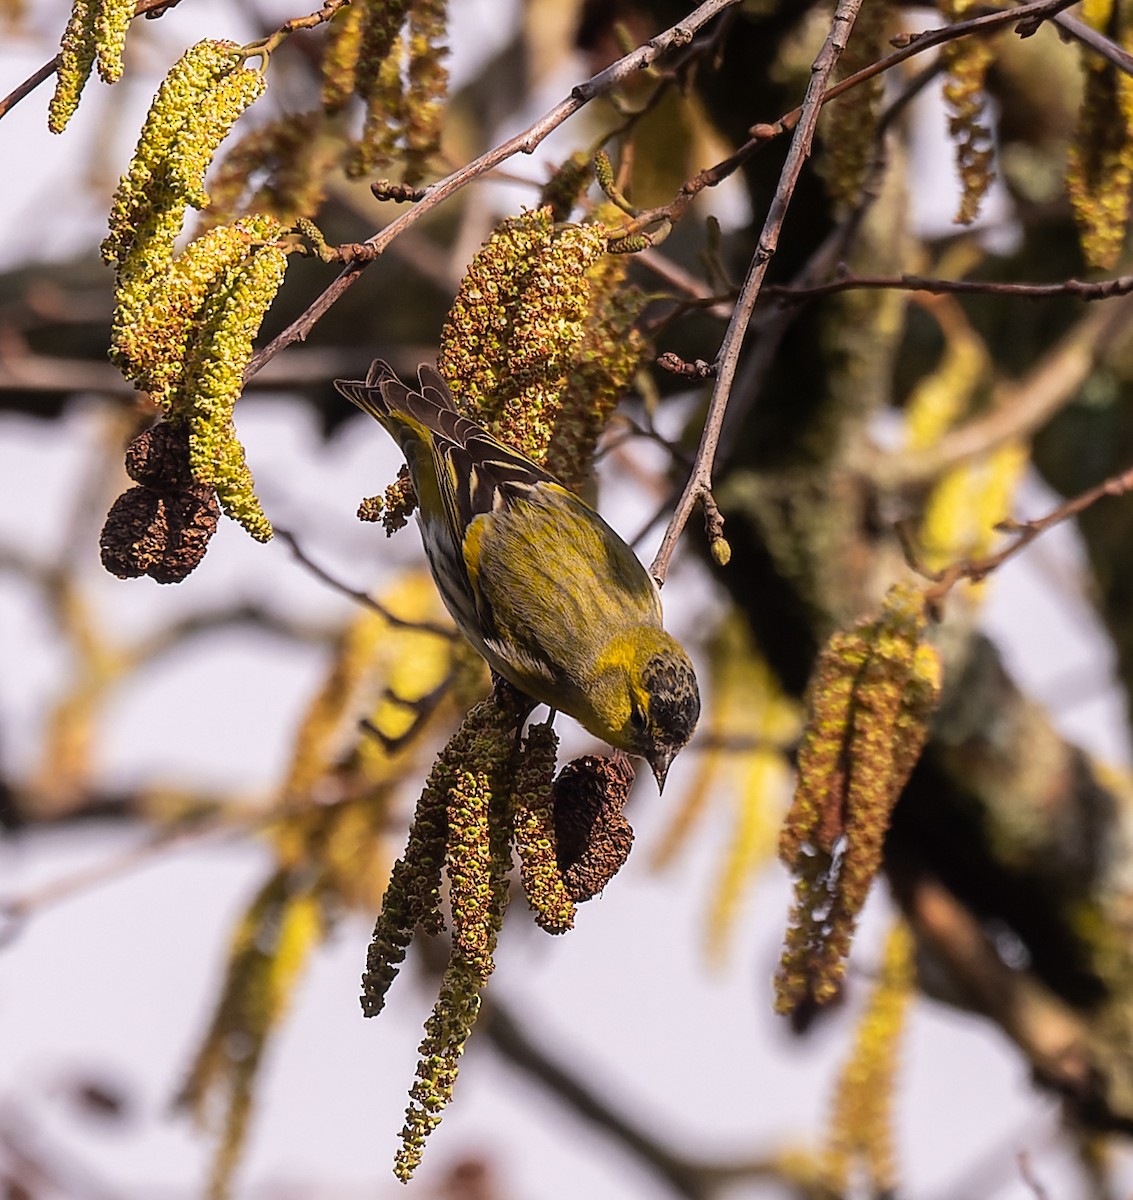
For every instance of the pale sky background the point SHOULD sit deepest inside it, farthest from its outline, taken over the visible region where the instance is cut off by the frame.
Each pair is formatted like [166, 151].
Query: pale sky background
[119, 979]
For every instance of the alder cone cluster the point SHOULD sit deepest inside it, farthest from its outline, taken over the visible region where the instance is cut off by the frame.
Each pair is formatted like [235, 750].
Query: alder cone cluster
[162, 526]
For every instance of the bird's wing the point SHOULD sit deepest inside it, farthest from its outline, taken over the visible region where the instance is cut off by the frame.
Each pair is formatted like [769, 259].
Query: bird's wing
[470, 465]
[546, 567]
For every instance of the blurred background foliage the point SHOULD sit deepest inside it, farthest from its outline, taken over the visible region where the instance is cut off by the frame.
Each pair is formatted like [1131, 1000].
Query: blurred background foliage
[869, 411]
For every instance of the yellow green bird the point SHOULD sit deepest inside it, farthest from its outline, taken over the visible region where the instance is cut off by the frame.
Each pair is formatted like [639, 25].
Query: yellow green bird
[544, 589]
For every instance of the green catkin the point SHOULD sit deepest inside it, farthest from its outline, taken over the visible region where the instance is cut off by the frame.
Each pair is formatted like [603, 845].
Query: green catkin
[208, 125]
[77, 52]
[340, 56]
[144, 197]
[150, 342]
[426, 86]
[871, 696]
[539, 870]
[214, 379]
[114, 19]
[479, 861]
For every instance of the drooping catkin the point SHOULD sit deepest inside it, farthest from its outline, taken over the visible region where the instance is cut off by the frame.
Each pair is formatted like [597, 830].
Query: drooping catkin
[214, 379]
[967, 61]
[113, 21]
[535, 838]
[1099, 169]
[77, 52]
[848, 126]
[871, 695]
[145, 193]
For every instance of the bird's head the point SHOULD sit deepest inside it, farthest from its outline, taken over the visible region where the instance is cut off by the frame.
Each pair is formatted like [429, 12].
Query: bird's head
[646, 701]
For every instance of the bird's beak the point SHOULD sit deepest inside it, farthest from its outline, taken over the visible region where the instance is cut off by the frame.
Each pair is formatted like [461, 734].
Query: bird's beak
[659, 761]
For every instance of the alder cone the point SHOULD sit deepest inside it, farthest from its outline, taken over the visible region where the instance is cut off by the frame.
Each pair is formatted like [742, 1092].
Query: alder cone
[592, 837]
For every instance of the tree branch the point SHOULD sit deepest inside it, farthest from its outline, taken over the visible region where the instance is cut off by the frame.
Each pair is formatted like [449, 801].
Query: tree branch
[524, 142]
[1025, 532]
[1101, 289]
[695, 1180]
[700, 481]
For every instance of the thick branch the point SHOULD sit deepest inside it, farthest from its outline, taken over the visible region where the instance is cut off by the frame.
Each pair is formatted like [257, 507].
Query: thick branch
[1018, 408]
[698, 1181]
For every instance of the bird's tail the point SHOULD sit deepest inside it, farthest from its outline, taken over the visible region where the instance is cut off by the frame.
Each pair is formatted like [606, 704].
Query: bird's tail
[386, 398]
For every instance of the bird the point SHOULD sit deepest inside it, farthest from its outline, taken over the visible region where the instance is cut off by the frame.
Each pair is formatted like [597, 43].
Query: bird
[552, 597]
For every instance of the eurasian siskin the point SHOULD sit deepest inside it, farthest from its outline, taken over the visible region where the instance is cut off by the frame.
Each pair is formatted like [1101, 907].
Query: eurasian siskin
[544, 589]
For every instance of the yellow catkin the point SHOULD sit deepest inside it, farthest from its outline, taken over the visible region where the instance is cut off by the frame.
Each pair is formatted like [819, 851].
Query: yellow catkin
[269, 949]
[208, 125]
[535, 832]
[426, 86]
[940, 399]
[378, 80]
[567, 185]
[155, 326]
[214, 379]
[479, 861]
[965, 506]
[539, 341]
[749, 728]
[145, 196]
[766, 778]
[348, 693]
[413, 895]
[340, 55]
[77, 52]
[278, 170]
[603, 365]
[967, 61]
[861, 1123]
[113, 21]
[1099, 170]
[871, 697]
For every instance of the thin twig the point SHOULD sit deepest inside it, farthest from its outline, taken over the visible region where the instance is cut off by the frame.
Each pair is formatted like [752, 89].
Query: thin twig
[688, 1178]
[525, 142]
[1101, 289]
[602, 83]
[1027, 1171]
[1024, 533]
[29, 85]
[1097, 41]
[15, 910]
[363, 598]
[700, 481]
[772, 322]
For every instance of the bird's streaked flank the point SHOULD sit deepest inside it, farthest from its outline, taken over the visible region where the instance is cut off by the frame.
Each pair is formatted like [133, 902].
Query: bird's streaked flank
[546, 591]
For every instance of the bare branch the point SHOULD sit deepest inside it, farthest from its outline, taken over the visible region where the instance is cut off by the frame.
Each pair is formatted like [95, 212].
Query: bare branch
[695, 1180]
[1096, 41]
[363, 598]
[727, 359]
[524, 142]
[1101, 289]
[1025, 532]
